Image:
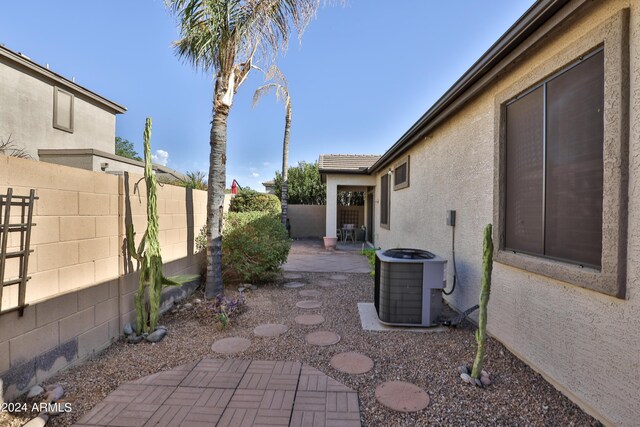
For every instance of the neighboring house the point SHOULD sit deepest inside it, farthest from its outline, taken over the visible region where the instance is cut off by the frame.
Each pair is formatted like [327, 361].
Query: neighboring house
[541, 137]
[58, 121]
[270, 186]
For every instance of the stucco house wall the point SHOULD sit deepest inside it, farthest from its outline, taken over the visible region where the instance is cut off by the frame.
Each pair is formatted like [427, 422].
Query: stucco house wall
[586, 343]
[26, 109]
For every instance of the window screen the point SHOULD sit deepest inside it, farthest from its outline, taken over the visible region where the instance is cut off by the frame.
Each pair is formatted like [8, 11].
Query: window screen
[523, 216]
[554, 166]
[575, 132]
[401, 175]
[384, 200]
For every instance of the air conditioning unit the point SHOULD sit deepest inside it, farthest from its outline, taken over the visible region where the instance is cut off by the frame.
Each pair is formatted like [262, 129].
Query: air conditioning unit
[408, 286]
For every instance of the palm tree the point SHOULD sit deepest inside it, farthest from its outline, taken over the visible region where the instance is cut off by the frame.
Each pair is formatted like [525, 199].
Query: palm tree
[194, 179]
[278, 83]
[225, 37]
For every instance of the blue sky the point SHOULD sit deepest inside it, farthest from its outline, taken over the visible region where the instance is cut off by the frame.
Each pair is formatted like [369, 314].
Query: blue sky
[363, 75]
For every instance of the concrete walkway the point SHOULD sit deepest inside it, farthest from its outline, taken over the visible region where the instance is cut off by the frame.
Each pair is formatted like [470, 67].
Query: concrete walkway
[310, 256]
[231, 392]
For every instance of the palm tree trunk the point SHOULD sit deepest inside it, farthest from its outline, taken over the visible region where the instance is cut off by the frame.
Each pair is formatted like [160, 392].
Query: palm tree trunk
[215, 199]
[284, 200]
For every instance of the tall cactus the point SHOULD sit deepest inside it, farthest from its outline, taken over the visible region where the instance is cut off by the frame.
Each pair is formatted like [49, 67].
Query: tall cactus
[148, 253]
[481, 333]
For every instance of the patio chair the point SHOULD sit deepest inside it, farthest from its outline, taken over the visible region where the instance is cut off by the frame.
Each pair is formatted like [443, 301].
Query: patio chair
[349, 231]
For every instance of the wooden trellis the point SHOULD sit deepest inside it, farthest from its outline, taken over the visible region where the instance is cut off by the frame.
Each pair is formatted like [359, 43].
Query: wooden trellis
[22, 225]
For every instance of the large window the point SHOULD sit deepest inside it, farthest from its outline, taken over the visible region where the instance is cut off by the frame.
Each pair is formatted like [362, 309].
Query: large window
[384, 201]
[554, 166]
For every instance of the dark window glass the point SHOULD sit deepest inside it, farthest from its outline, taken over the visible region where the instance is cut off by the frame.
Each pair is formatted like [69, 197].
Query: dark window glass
[384, 199]
[400, 175]
[554, 166]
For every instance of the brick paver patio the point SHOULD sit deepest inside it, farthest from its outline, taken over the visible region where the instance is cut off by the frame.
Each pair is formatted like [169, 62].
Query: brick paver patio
[230, 392]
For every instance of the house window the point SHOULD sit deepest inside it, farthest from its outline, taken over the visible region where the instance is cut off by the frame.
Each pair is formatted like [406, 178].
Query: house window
[62, 110]
[384, 201]
[554, 166]
[401, 174]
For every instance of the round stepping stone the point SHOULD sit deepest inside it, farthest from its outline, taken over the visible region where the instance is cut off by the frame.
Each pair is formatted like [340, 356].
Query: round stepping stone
[309, 293]
[352, 363]
[309, 304]
[293, 285]
[270, 330]
[309, 319]
[292, 276]
[231, 345]
[339, 277]
[401, 396]
[322, 338]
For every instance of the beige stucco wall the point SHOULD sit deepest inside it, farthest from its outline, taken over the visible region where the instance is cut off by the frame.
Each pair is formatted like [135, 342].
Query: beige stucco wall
[586, 343]
[26, 113]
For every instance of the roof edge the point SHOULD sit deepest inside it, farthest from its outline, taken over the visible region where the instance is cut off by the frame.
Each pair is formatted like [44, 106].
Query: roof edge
[94, 152]
[57, 78]
[539, 13]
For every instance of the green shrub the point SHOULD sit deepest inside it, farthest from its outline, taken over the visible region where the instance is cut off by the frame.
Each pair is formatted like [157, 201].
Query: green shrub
[254, 246]
[201, 239]
[252, 201]
[371, 257]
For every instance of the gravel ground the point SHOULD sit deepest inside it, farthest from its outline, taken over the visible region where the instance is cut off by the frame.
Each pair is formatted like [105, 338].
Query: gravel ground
[518, 395]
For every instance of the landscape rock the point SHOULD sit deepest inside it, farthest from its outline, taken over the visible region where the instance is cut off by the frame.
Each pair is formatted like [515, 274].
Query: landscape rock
[157, 335]
[54, 394]
[467, 378]
[128, 329]
[478, 382]
[463, 370]
[134, 339]
[38, 421]
[162, 327]
[254, 287]
[34, 391]
[197, 301]
[188, 305]
[485, 380]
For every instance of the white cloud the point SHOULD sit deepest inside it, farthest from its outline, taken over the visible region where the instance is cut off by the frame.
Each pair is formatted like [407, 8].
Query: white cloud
[255, 174]
[160, 157]
[265, 164]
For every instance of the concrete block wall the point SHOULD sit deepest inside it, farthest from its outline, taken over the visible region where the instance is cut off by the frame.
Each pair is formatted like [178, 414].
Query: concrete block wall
[307, 220]
[55, 333]
[310, 220]
[75, 242]
[81, 290]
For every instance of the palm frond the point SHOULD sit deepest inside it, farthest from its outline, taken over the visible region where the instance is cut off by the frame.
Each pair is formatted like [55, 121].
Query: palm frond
[263, 91]
[277, 83]
[217, 35]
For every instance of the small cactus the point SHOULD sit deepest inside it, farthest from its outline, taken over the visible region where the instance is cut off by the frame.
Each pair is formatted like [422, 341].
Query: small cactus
[481, 333]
